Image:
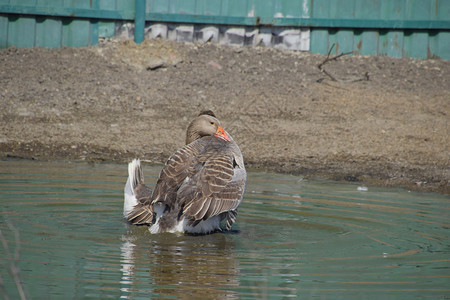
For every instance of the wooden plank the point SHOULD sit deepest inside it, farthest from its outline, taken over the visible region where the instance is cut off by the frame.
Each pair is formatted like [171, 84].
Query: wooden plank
[3, 31]
[156, 6]
[79, 3]
[319, 41]
[195, 19]
[48, 32]
[332, 39]
[262, 10]
[21, 31]
[320, 9]
[362, 23]
[343, 9]
[416, 44]
[394, 46]
[442, 10]
[439, 45]
[182, 7]
[52, 3]
[126, 8]
[418, 9]
[417, 28]
[293, 9]
[382, 42]
[367, 10]
[22, 2]
[73, 12]
[392, 10]
[93, 33]
[139, 22]
[232, 14]
[107, 4]
[106, 29]
[212, 7]
[75, 33]
[367, 43]
[235, 8]
[344, 41]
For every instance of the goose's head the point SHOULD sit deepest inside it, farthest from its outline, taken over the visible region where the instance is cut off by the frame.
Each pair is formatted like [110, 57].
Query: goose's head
[205, 125]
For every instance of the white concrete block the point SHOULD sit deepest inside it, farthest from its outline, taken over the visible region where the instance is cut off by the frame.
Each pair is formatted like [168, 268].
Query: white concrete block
[305, 39]
[185, 33]
[207, 34]
[157, 31]
[234, 36]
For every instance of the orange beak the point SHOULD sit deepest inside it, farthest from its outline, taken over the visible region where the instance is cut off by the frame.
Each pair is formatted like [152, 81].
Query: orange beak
[221, 134]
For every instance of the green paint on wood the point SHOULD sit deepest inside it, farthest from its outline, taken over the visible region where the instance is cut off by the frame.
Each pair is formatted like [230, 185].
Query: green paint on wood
[157, 6]
[439, 45]
[367, 44]
[3, 31]
[93, 33]
[416, 44]
[139, 22]
[211, 8]
[417, 28]
[48, 32]
[21, 31]
[344, 41]
[75, 33]
[106, 29]
[319, 42]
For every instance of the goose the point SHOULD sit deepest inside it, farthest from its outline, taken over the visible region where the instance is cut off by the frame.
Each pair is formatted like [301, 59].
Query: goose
[201, 184]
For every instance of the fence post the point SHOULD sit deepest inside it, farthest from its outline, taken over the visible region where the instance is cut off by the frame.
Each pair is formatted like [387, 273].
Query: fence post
[139, 22]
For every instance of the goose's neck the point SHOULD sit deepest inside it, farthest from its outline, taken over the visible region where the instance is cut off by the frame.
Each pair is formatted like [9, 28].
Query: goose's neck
[192, 136]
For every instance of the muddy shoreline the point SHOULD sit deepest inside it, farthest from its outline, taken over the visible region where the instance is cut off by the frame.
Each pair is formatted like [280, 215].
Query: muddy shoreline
[120, 100]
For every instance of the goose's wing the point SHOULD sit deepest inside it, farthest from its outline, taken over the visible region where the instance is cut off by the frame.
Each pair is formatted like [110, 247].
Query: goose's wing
[216, 185]
[174, 173]
[137, 196]
[165, 192]
[202, 179]
[142, 213]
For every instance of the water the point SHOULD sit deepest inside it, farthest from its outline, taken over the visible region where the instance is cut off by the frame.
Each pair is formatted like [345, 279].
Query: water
[293, 238]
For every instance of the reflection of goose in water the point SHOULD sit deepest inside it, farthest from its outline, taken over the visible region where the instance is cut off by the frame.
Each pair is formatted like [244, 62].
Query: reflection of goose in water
[201, 184]
[179, 266]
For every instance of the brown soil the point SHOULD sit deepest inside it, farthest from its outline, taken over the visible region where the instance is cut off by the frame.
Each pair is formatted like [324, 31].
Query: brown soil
[120, 100]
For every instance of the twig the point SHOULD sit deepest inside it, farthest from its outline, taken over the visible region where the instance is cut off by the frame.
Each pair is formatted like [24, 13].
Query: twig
[13, 268]
[328, 59]
[2, 289]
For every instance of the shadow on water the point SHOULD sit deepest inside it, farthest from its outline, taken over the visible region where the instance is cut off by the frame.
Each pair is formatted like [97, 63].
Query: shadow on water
[292, 238]
[179, 265]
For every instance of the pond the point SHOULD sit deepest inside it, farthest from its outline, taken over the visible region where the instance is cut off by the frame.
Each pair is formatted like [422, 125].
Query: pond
[293, 238]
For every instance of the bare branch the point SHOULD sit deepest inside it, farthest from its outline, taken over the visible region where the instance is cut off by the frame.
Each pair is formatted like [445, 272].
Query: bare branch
[328, 59]
[13, 269]
[329, 51]
[2, 284]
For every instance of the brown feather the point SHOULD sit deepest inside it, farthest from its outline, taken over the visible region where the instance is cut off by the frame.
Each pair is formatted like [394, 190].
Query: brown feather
[198, 181]
[141, 215]
[209, 185]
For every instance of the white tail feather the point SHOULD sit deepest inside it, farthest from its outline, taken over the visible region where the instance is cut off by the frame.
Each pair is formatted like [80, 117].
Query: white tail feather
[135, 176]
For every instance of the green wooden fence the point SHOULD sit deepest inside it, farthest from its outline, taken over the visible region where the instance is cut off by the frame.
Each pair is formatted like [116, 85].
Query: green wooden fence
[397, 28]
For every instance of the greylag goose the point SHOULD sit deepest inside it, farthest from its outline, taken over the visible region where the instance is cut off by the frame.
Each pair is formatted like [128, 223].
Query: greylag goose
[200, 185]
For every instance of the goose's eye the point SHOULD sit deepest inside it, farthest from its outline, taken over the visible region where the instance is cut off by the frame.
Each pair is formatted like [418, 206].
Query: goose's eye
[211, 122]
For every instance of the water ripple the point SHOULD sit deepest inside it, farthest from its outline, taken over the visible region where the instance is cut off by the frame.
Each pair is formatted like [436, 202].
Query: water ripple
[292, 238]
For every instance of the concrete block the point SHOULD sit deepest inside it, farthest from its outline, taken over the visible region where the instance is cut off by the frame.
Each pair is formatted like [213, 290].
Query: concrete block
[185, 33]
[205, 34]
[234, 36]
[157, 31]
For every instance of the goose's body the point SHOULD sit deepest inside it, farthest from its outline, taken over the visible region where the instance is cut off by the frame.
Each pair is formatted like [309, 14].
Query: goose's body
[201, 184]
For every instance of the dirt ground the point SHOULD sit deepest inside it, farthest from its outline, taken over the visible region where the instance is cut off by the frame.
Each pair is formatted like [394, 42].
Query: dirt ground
[120, 100]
